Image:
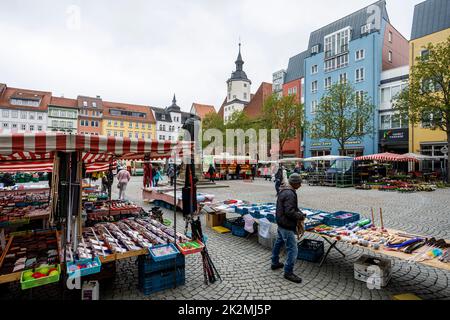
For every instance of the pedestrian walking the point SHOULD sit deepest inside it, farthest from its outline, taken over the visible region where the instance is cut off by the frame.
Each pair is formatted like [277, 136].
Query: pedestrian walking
[254, 169]
[124, 177]
[171, 174]
[211, 172]
[288, 217]
[156, 177]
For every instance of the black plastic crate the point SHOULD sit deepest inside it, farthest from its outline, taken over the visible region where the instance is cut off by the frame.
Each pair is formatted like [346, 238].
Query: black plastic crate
[161, 280]
[310, 250]
[148, 265]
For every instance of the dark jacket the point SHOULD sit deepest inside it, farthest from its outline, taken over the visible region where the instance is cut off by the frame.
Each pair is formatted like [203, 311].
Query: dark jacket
[288, 213]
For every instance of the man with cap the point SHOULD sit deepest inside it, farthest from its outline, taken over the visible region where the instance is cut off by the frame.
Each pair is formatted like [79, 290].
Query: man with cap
[288, 217]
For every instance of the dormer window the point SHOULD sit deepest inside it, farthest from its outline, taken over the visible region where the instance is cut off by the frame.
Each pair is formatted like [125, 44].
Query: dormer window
[163, 117]
[315, 49]
[365, 29]
[25, 102]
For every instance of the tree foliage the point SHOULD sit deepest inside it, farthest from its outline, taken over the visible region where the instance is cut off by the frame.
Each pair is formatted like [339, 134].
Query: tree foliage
[284, 114]
[427, 97]
[342, 114]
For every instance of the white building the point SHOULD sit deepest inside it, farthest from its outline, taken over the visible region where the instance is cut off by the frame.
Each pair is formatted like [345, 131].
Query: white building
[169, 121]
[278, 81]
[63, 115]
[23, 110]
[393, 129]
[239, 90]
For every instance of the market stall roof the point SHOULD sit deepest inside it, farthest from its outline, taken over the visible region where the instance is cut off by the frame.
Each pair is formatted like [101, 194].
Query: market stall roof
[27, 166]
[290, 160]
[390, 157]
[327, 158]
[99, 166]
[39, 143]
[420, 157]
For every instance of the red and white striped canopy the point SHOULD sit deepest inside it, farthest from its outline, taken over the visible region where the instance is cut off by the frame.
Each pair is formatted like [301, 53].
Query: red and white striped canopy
[41, 143]
[99, 166]
[27, 166]
[388, 157]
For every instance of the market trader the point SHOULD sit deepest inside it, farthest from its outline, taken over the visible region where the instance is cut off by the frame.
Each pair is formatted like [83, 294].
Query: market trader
[288, 216]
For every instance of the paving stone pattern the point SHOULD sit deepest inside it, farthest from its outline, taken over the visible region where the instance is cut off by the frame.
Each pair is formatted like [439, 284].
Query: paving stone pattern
[244, 265]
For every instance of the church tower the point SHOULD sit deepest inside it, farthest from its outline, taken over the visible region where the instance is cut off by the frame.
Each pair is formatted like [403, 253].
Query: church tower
[239, 88]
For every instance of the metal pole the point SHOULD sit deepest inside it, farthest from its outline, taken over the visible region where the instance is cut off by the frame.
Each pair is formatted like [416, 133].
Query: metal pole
[175, 217]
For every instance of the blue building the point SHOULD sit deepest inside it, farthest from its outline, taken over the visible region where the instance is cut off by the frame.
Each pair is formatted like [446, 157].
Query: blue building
[356, 49]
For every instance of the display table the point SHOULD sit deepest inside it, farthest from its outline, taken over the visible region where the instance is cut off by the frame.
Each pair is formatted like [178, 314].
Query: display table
[167, 196]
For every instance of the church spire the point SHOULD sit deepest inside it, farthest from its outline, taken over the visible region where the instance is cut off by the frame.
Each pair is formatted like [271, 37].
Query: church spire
[239, 62]
[174, 101]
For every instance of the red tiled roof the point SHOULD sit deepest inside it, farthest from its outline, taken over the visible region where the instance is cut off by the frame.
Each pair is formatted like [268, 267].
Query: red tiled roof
[202, 110]
[255, 107]
[8, 93]
[64, 102]
[128, 107]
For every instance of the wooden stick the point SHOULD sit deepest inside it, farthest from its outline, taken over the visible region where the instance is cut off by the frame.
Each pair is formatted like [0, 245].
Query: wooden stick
[373, 219]
[381, 219]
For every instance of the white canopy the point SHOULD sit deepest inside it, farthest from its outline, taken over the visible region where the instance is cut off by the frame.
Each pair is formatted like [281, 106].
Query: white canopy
[327, 158]
[421, 157]
[290, 160]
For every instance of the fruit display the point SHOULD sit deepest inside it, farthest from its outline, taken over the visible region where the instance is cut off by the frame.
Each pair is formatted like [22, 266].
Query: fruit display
[40, 276]
[30, 252]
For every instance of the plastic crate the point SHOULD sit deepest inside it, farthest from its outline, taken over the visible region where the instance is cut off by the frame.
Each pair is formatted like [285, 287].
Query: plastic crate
[39, 282]
[85, 271]
[228, 223]
[239, 231]
[147, 265]
[331, 219]
[162, 280]
[310, 250]
[267, 242]
[198, 248]
[156, 258]
[204, 239]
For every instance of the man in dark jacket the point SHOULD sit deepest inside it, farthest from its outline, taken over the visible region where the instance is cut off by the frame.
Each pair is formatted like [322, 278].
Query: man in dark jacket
[288, 217]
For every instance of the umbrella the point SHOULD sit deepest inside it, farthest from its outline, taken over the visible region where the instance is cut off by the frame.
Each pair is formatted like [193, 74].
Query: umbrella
[389, 157]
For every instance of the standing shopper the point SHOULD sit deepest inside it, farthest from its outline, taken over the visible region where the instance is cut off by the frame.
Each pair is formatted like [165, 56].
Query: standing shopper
[278, 179]
[288, 218]
[211, 173]
[124, 177]
[171, 174]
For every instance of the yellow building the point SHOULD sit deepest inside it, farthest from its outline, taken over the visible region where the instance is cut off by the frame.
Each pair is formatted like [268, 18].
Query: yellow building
[430, 25]
[127, 120]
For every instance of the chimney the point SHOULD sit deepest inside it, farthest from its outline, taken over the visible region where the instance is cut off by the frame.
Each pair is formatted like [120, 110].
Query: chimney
[98, 97]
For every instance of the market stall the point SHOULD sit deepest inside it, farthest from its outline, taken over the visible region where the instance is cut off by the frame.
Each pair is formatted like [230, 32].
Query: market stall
[116, 240]
[227, 165]
[348, 228]
[332, 171]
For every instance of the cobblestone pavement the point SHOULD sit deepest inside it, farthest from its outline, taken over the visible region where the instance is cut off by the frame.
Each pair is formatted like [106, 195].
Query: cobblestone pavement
[244, 265]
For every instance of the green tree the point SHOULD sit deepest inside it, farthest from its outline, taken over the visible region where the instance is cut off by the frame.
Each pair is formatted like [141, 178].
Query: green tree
[342, 114]
[212, 121]
[284, 114]
[427, 97]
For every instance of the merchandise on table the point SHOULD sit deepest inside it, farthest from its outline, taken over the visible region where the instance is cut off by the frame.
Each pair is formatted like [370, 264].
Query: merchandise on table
[132, 234]
[29, 252]
[110, 211]
[24, 204]
[40, 276]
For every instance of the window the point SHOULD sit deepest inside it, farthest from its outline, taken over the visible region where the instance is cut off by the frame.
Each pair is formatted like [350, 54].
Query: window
[23, 115]
[366, 28]
[342, 61]
[85, 104]
[92, 123]
[94, 104]
[143, 135]
[23, 127]
[109, 133]
[314, 86]
[136, 135]
[121, 134]
[390, 36]
[395, 91]
[385, 95]
[425, 54]
[5, 125]
[14, 114]
[245, 95]
[31, 116]
[315, 49]
[314, 69]
[359, 96]
[337, 43]
[137, 125]
[149, 135]
[115, 133]
[63, 114]
[54, 123]
[39, 128]
[390, 56]
[245, 85]
[40, 116]
[62, 124]
[31, 127]
[115, 123]
[343, 78]
[360, 55]
[121, 124]
[359, 75]
[327, 83]
[5, 113]
[130, 134]
[14, 126]
[25, 102]
[314, 106]
[395, 121]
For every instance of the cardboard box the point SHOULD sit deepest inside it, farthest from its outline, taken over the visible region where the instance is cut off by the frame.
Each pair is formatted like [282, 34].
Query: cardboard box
[376, 272]
[215, 220]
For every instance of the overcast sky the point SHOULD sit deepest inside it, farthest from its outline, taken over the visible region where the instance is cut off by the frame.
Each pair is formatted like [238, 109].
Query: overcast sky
[144, 51]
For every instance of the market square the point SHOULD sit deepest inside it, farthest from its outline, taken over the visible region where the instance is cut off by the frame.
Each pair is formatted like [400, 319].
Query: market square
[139, 168]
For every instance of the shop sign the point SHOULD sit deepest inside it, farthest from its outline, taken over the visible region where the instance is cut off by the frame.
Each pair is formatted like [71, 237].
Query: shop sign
[394, 135]
[352, 143]
[321, 144]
